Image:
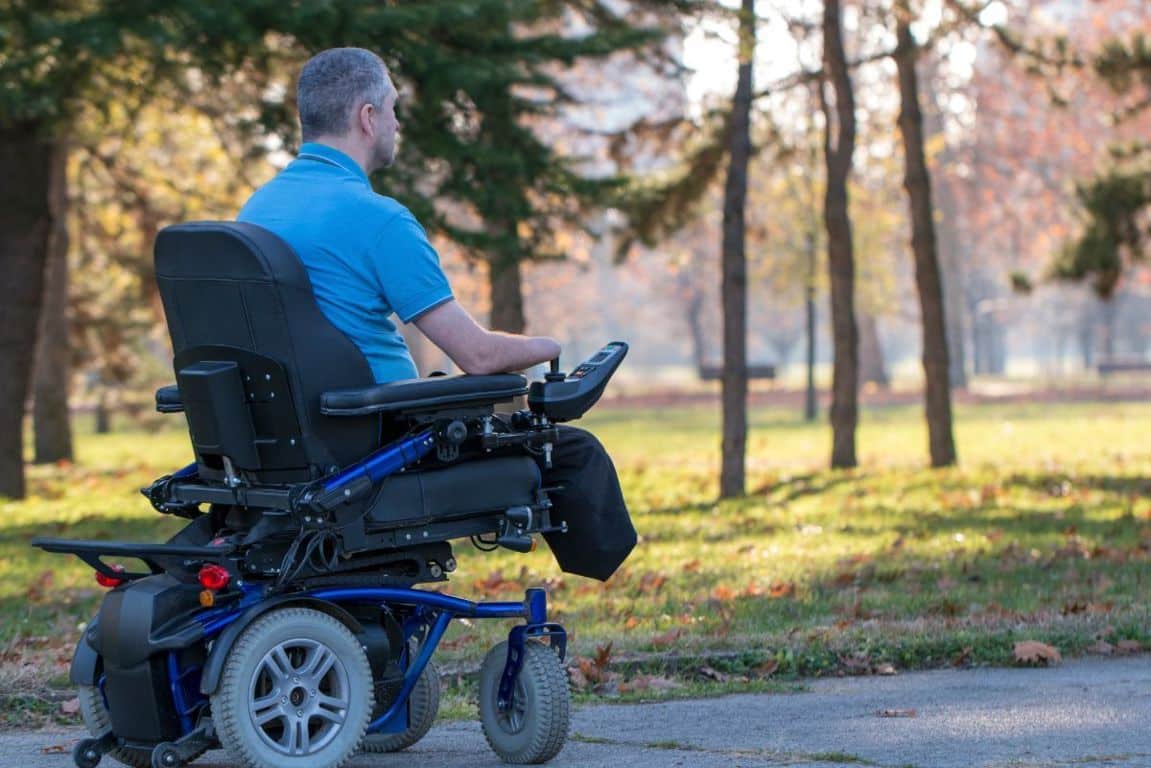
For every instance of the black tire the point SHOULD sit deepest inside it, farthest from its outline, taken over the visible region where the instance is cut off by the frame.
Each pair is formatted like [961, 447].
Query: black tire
[536, 727]
[423, 705]
[296, 692]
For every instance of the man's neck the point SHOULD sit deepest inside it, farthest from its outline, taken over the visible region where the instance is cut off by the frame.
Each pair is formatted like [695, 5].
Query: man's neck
[361, 155]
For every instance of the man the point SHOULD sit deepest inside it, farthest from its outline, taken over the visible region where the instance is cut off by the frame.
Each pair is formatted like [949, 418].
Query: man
[368, 258]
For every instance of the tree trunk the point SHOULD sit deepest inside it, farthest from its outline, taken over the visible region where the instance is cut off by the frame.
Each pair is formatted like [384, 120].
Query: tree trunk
[872, 368]
[507, 312]
[1108, 313]
[53, 372]
[27, 163]
[734, 288]
[928, 284]
[952, 254]
[103, 423]
[695, 327]
[953, 249]
[839, 146]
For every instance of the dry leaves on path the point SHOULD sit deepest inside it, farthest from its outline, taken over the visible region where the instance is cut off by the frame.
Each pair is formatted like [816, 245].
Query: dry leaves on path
[1035, 653]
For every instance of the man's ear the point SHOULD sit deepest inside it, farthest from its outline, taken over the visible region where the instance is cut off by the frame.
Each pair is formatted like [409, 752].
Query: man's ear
[364, 118]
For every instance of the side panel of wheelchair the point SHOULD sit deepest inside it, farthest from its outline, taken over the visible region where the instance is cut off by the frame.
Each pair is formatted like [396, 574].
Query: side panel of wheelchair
[283, 622]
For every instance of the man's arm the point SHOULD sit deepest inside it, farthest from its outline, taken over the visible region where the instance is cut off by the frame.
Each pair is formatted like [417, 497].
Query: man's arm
[477, 350]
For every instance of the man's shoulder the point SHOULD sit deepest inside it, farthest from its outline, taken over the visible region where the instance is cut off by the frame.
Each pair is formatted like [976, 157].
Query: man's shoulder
[383, 205]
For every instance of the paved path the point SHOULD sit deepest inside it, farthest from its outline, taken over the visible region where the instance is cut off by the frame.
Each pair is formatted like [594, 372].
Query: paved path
[1084, 714]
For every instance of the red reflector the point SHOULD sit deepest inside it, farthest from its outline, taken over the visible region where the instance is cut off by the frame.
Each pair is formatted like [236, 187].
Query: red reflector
[110, 581]
[214, 577]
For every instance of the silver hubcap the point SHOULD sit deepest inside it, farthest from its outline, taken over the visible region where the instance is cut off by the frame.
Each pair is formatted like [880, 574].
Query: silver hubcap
[299, 697]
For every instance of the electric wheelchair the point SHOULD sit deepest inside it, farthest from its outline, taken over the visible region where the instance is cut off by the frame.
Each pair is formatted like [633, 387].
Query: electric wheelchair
[282, 623]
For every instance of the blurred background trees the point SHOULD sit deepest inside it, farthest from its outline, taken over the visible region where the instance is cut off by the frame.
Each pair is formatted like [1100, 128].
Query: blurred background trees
[570, 159]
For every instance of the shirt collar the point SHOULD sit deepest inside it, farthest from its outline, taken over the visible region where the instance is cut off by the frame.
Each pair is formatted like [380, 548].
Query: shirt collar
[330, 155]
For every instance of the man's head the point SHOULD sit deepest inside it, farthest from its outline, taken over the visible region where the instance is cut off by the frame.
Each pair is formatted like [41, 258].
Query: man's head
[346, 97]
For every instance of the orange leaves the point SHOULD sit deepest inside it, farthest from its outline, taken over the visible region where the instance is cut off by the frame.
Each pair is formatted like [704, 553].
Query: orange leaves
[666, 640]
[1034, 653]
[496, 583]
[781, 590]
[1123, 647]
[722, 593]
[602, 656]
[593, 672]
[651, 582]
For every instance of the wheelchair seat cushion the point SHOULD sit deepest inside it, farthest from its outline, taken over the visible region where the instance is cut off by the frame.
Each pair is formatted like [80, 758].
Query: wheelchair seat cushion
[424, 394]
[459, 490]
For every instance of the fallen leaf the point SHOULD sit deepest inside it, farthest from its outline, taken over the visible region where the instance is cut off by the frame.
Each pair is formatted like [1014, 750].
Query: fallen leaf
[1101, 648]
[766, 669]
[70, 707]
[602, 656]
[666, 640]
[782, 589]
[896, 713]
[963, 658]
[713, 674]
[1129, 646]
[631, 623]
[578, 679]
[1073, 607]
[722, 592]
[692, 567]
[885, 669]
[1034, 652]
[54, 749]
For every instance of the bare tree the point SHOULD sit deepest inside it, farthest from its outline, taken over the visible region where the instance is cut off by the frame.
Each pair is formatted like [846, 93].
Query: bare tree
[734, 289]
[928, 283]
[26, 215]
[52, 373]
[839, 147]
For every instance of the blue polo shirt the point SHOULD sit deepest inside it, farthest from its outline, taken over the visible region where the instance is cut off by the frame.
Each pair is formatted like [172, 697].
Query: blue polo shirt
[366, 255]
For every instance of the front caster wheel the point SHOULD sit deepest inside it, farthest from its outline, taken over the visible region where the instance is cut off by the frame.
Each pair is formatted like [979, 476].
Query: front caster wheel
[535, 727]
[423, 705]
[86, 754]
[296, 692]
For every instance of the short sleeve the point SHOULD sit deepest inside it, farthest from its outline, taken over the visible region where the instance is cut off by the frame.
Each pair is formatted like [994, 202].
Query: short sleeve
[407, 268]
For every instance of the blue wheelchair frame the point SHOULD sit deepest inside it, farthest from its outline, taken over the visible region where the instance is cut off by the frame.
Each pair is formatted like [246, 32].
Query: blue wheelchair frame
[432, 609]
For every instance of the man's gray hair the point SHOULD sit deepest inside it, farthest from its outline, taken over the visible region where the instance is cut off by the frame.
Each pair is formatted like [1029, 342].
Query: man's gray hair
[336, 82]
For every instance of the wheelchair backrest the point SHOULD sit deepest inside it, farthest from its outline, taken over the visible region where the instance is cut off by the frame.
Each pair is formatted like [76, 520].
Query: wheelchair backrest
[253, 354]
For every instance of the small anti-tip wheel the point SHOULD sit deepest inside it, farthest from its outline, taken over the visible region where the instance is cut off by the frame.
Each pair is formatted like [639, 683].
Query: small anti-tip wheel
[165, 755]
[296, 692]
[98, 721]
[423, 705]
[85, 754]
[533, 730]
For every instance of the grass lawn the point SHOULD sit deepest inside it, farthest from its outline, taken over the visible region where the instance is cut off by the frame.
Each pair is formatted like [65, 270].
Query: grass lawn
[1043, 533]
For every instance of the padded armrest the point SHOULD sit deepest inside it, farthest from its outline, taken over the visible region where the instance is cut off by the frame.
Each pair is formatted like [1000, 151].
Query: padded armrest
[424, 394]
[168, 399]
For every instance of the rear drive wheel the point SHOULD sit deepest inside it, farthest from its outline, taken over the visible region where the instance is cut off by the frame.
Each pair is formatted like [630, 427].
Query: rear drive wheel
[423, 705]
[296, 692]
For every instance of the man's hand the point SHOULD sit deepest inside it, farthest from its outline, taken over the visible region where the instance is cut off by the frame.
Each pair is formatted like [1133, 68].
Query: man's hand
[477, 350]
